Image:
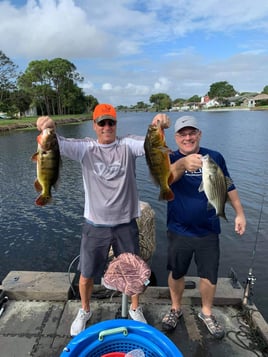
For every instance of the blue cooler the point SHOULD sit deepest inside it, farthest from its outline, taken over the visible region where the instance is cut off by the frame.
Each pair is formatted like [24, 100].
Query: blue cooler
[121, 336]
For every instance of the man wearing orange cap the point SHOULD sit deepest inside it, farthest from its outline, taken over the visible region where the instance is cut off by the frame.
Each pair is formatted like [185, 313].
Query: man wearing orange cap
[111, 200]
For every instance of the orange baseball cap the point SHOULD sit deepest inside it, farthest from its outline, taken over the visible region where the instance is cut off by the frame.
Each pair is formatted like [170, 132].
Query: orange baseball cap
[104, 111]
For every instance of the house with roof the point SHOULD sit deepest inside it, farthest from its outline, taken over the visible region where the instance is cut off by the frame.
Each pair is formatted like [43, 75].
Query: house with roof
[260, 97]
[206, 102]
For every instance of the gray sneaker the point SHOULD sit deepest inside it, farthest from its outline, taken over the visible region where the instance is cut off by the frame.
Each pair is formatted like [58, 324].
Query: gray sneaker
[79, 323]
[137, 314]
[212, 325]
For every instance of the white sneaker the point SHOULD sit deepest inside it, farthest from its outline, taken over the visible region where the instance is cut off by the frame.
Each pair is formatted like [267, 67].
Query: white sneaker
[137, 314]
[79, 323]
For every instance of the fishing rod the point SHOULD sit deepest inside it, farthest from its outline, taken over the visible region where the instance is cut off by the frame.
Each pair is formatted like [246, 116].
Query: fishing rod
[248, 290]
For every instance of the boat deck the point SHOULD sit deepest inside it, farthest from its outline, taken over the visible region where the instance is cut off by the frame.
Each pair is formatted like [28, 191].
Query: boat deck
[37, 317]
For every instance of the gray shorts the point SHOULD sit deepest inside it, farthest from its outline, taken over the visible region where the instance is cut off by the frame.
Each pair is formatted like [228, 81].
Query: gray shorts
[96, 243]
[205, 250]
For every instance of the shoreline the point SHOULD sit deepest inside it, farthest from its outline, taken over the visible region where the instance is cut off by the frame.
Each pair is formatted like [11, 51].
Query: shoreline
[32, 125]
[29, 125]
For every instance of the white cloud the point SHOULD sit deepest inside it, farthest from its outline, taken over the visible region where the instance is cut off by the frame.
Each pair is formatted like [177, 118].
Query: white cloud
[137, 89]
[107, 86]
[49, 29]
[162, 85]
[87, 86]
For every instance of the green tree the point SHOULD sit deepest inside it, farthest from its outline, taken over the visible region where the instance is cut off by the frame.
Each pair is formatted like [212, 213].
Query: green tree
[21, 101]
[178, 101]
[8, 77]
[161, 101]
[195, 99]
[221, 90]
[52, 85]
[63, 77]
[122, 108]
[141, 105]
[91, 103]
[36, 82]
[265, 90]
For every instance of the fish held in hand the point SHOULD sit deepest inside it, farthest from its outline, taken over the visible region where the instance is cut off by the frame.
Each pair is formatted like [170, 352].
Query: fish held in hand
[157, 158]
[48, 161]
[215, 185]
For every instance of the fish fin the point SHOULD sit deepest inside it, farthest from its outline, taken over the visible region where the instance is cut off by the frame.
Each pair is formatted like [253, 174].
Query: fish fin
[34, 157]
[201, 187]
[43, 200]
[39, 138]
[166, 195]
[37, 185]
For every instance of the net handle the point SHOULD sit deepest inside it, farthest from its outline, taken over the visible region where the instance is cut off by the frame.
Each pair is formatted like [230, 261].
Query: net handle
[113, 331]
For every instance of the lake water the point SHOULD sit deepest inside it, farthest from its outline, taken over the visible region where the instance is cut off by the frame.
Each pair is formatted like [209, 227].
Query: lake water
[48, 238]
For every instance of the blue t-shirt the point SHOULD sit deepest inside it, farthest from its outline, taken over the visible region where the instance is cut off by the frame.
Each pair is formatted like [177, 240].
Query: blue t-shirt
[188, 214]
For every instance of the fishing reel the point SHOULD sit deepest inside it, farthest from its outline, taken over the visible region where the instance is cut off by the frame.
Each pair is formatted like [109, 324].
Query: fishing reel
[248, 292]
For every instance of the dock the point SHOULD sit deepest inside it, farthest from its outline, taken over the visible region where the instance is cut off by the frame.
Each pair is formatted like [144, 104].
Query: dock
[39, 310]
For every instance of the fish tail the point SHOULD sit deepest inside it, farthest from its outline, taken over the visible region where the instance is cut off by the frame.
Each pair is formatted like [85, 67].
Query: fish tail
[42, 200]
[37, 185]
[34, 156]
[166, 195]
[223, 216]
[221, 213]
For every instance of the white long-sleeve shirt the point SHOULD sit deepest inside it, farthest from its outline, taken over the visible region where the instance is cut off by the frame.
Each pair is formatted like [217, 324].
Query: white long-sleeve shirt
[109, 177]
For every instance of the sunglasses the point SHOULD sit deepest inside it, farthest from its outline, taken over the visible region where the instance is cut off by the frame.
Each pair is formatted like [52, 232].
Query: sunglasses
[109, 122]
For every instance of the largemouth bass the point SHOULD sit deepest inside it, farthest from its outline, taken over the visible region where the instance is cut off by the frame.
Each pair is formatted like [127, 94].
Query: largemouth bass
[48, 160]
[157, 157]
[215, 185]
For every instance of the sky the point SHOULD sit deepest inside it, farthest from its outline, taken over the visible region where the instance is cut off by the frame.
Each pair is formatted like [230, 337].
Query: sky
[127, 50]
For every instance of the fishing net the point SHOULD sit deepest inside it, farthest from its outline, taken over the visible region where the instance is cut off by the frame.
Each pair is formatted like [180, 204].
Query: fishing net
[127, 273]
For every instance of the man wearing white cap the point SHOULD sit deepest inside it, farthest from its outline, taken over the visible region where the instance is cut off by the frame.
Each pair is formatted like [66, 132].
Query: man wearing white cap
[193, 229]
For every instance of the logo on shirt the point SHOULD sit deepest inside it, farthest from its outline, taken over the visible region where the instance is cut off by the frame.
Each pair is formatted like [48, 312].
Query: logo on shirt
[198, 172]
[108, 171]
